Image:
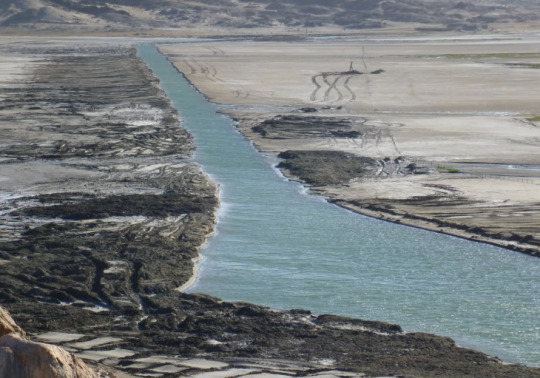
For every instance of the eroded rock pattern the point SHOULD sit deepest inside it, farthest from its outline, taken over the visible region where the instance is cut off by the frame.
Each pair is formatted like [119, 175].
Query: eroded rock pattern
[22, 358]
[96, 207]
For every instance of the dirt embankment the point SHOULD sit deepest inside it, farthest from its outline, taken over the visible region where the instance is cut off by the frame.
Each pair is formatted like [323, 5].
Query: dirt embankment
[100, 223]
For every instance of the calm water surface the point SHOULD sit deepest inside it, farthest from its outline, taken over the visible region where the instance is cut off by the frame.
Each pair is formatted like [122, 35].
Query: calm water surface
[279, 247]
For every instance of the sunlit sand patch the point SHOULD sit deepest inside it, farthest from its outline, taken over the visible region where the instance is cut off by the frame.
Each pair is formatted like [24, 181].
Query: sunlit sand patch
[268, 375]
[225, 373]
[96, 342]
[204, 364]
[161, 359]
[168, 369]
[138, 365]
[101, 355]
[58, 337]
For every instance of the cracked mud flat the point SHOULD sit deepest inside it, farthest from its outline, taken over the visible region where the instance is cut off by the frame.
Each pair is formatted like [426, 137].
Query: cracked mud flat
[100, 223]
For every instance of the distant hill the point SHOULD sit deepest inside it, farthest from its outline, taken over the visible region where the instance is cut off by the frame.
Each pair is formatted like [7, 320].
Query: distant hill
[467, 15]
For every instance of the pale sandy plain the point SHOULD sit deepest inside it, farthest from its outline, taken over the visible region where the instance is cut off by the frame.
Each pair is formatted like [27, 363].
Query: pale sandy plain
[459, 102]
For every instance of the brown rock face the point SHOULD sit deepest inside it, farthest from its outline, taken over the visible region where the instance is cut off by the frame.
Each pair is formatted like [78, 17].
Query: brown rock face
[21, 358]
[7, 324]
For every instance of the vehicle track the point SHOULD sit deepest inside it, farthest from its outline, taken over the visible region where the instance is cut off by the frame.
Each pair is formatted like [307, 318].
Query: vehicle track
[216, 50]
[330, 87]
[193, 70]
[215, 73]
[346, 85]
[208, 73]
[394, 143]
[313, 96]
[368, 81]
[203, 69]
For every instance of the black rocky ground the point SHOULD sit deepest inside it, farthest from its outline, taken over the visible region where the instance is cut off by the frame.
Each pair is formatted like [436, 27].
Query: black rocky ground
[194, 325]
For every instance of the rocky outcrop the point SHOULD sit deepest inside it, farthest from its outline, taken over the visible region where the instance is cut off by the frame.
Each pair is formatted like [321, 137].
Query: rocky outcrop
[7, 324]
[22, 358]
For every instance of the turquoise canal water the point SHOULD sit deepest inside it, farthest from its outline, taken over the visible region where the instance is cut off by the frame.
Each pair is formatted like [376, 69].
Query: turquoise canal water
[277, 246]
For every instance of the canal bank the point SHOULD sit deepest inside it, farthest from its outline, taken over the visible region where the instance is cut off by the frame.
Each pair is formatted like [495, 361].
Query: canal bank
[276, 246]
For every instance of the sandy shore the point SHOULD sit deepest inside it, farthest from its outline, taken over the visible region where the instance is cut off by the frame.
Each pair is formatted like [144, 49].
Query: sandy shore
[450, 121]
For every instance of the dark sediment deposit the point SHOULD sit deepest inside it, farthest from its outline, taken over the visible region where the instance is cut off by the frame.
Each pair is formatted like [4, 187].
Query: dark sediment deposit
[326, 167]
[100, 224]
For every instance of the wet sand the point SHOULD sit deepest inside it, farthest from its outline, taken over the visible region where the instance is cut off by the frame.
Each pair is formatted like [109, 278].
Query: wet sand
[459, 108]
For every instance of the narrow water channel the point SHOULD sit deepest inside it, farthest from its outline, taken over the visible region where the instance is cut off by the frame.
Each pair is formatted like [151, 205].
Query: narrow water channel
[277, 246]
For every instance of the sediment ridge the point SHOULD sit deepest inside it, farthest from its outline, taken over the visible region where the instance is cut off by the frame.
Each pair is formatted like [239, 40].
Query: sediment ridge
[101, 219]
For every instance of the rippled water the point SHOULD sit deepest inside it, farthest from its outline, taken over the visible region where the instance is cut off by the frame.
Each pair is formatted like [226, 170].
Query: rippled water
[279, 247]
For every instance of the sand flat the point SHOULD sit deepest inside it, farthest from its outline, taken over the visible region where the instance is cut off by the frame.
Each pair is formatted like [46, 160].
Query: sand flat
[417, 77]
[59, 337]
[96, 342]
[439, 101]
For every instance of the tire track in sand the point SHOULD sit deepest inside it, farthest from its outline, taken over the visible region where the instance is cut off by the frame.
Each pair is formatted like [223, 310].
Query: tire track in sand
[368, 81]
[215, 73]
[216, 50]
[193, 70]
[330, 87]
[313, 96]
[346, 85]
[203, 69]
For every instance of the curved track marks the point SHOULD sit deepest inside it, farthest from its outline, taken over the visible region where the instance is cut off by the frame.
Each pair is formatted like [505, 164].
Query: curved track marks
[215, 50]
[214, 73]
[346, 85]
[368, 81]
[201, 67]
[313, 96]
[193, 70]
[332, 86]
